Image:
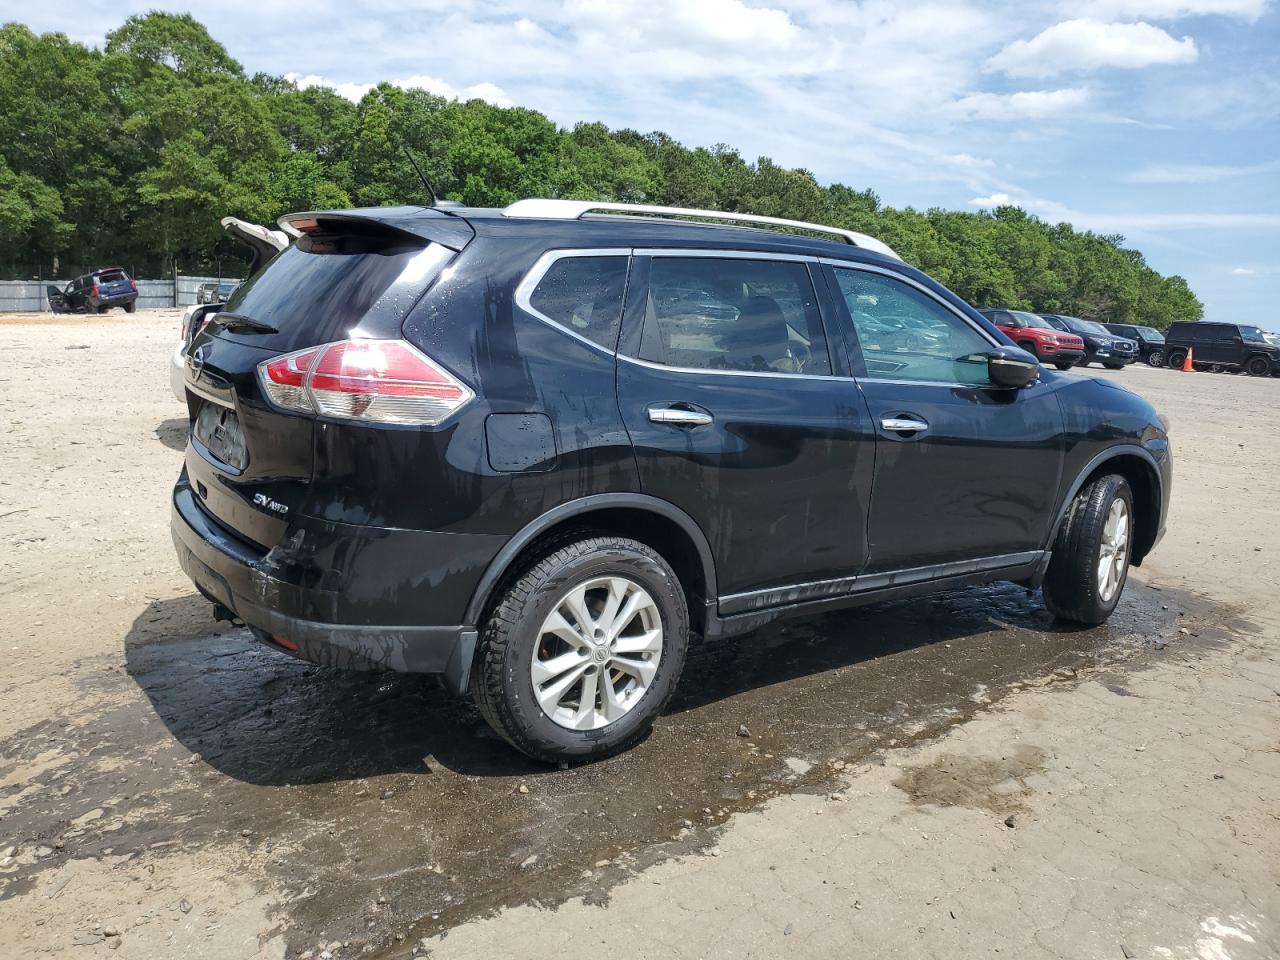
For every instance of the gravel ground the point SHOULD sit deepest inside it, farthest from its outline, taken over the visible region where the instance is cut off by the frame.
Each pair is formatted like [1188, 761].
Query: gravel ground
[949, 778]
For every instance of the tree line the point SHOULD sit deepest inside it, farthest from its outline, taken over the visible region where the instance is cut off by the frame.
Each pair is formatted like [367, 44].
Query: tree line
[130, 154]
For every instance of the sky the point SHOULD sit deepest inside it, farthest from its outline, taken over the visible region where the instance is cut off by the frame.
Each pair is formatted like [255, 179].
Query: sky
[1155, 119]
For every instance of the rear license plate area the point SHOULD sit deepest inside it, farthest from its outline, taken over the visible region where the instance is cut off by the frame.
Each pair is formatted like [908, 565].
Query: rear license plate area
[218, 430]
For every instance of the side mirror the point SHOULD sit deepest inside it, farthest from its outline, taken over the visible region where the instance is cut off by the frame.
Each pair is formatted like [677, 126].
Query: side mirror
[1012, 367]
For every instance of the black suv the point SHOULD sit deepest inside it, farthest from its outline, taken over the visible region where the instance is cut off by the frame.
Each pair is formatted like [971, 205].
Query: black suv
[1226, 345]
[1150, 341]
[1100, 344]
[535, 450]
[98, 292]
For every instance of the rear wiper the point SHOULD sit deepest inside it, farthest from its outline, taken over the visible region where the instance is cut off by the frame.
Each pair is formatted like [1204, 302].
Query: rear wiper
[236, 323]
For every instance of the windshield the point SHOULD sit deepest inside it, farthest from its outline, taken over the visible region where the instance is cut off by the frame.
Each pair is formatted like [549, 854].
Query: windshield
[1028, 319]
[1252, 333]
[1152, 334]
[1087, 326]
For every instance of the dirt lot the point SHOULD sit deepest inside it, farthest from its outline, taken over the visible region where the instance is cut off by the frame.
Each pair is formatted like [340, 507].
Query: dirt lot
[950, 778]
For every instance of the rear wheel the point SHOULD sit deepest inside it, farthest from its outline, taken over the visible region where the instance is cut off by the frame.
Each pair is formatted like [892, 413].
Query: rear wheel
[582, 650]
[1177, 358]
[1258, 367]
[130, 307]
[1090, 562]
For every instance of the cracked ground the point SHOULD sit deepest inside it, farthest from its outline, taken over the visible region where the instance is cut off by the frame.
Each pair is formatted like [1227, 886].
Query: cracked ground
[954, 777]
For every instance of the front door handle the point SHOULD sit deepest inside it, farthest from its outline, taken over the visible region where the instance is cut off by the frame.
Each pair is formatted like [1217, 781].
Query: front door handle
[679, 416]
[903, 424]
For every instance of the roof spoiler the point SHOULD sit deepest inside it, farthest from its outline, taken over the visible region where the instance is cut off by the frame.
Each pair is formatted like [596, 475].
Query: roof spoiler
[422, 223]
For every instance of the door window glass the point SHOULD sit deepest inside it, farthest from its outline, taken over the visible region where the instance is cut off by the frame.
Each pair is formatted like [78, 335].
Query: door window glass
[907, 335]
[712, 313]
[584, 294]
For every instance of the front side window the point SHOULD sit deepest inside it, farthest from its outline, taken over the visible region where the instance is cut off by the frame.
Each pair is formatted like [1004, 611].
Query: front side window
[747, 315]
[1252, 334]
[584, 294]
[907, 335]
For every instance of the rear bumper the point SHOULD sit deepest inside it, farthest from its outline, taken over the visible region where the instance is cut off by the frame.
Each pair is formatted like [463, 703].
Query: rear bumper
[267, 595]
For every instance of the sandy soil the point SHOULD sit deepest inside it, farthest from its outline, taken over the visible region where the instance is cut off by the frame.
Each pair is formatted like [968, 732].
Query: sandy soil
[953, 778]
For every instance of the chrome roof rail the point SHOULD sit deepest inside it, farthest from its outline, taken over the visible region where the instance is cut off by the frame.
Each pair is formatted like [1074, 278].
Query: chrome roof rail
[536, 209]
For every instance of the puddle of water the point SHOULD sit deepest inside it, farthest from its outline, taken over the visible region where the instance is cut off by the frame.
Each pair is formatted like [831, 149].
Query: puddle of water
[375, 805]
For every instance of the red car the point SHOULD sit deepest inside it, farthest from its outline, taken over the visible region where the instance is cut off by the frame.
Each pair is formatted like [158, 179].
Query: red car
[1032, 334]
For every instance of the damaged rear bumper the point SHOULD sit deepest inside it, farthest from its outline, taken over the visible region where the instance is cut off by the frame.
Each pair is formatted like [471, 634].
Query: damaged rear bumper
[267, 595]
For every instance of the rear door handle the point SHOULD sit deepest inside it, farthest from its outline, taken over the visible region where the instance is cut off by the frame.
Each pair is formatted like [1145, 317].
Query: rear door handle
[679, 416]
[903, 424]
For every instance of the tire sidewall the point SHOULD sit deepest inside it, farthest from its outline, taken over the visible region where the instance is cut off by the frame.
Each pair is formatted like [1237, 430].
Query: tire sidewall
[517, 683]
[1176, 358]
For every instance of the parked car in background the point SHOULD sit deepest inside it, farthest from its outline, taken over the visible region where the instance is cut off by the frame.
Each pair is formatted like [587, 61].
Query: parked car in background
[264, 243]
[1150, 341]
[1232, 346]
[96, 292]
[216, 291]
[475, 443]
[1100, 344]
[1031, 333]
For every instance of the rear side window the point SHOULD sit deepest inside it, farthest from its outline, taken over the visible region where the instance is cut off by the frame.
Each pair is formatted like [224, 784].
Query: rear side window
[584, 294]
[111, 276]
[757, 316]
[326, 286]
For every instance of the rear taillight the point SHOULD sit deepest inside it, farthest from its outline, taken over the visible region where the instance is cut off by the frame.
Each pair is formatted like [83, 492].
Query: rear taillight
[95, 290]
[133, 283]
[378, 381]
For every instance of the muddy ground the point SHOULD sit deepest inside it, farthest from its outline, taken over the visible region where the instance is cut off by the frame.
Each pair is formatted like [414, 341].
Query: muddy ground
[950, 777]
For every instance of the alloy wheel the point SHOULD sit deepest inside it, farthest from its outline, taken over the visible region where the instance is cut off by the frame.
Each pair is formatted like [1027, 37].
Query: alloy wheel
[597, 653]
[1113, 556]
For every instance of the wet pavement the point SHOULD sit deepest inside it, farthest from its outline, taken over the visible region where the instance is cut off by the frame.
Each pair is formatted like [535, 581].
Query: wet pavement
[375, 809]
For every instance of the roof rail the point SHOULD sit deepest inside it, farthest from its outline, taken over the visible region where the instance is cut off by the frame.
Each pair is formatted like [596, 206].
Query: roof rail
[537, 209]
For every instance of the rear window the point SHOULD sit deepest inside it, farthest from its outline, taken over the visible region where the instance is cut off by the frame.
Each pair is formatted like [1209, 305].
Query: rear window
[111, 276]
[327, 287]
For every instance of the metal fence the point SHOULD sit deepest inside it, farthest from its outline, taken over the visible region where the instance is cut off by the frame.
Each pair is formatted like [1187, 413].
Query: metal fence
[28, 296]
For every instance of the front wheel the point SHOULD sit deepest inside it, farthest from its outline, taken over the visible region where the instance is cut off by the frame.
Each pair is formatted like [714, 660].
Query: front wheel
[1090, 562]
[1114, 366]
[1155, 359]
[582, 650]
[1063, 364]
[1258, 367]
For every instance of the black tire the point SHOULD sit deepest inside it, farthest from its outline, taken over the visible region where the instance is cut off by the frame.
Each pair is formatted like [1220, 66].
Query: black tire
[1114, 366]
[1063, 364]
[130, 307]
[1082, 362]
[101, 310]
[1176, 359]
[501, 681]
[1258, 367]
[1155, 359]
[1071, 582]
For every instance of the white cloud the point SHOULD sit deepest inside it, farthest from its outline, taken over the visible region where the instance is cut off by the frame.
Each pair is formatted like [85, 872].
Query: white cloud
[1026, 104]
[995, 200]
[421, 81]
[1090, 45]
[1243, 272]
[1196, 173]
[1169, 9]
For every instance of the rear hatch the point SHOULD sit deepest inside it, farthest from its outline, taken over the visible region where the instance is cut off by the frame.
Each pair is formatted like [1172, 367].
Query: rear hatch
[350, 275]
[113, 284]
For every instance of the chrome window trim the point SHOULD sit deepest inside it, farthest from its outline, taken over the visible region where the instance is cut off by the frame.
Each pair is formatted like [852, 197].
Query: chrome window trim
[734, 373]
[716, 253]
[524, 290]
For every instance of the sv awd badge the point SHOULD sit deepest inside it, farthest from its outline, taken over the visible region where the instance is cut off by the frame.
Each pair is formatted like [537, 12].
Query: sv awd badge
[262, 500]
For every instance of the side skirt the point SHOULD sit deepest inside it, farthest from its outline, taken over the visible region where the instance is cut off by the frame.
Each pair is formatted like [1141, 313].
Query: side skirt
[1023, 568]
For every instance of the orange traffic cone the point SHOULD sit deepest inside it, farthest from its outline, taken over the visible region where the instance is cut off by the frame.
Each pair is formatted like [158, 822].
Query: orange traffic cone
[1188, 366]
